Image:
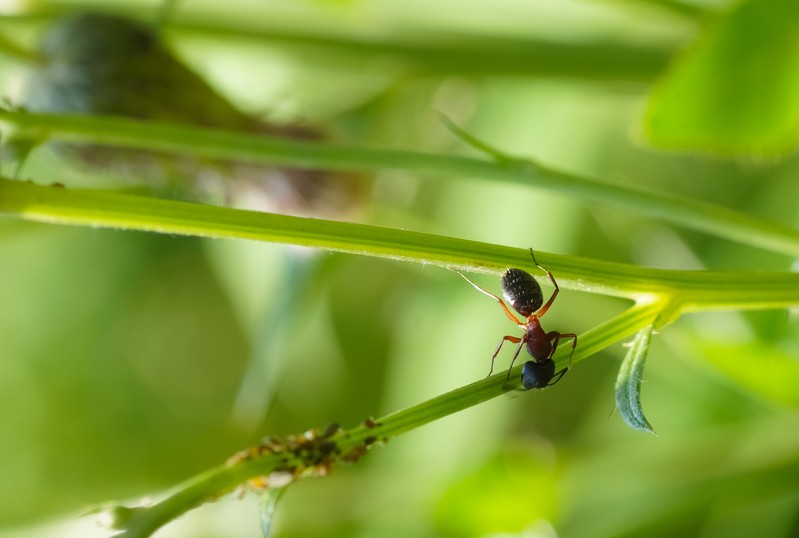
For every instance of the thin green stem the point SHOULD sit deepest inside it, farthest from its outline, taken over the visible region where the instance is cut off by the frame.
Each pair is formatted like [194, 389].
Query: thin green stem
[695, 290]
[213, 144]
[209, 485]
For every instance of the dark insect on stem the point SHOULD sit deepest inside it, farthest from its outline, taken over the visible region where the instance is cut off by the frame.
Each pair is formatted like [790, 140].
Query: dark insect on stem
[524, 294]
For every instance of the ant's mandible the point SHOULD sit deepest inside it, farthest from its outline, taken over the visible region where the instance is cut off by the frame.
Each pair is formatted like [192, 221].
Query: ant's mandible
[524, 294]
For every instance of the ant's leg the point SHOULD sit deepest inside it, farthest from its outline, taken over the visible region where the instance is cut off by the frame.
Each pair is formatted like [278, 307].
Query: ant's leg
[513, 318]
[543, 309]
[513, 339]
[559, 374]
[515, 355]
[544, 269]
[555, 338]
[574, 345]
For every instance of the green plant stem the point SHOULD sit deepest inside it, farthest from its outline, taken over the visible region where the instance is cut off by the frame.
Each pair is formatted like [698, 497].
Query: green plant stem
[213, 144]
[210, 485]
[436, 53]
[661, 295]
[166, 12]
[11, 49]
[689, 290]
[688, 10]
[441, 54]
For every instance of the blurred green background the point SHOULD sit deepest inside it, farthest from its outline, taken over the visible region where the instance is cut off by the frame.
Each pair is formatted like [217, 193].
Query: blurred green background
[131, 361]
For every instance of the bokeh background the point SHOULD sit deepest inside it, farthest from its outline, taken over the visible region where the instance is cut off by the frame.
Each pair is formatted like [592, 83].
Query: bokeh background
[132, 361]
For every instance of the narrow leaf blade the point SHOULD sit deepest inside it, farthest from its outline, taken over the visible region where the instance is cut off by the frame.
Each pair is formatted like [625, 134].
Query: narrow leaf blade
[269, 502]
[628, 383]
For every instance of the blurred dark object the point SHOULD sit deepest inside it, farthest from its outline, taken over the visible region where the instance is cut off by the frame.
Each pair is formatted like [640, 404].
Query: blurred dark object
[97, 64]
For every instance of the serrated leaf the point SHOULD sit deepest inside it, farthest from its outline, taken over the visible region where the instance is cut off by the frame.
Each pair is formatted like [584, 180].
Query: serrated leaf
[628, 383]
[735, 91]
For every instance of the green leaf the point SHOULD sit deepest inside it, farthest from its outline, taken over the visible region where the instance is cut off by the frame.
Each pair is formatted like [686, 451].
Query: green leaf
[628, 383]
[735, 91]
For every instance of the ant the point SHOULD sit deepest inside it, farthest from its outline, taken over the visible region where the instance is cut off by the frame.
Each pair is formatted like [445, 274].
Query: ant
[524, 294]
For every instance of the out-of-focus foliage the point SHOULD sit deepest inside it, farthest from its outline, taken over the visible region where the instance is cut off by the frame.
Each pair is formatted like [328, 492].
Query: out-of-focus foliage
[101, 64]
[736, 90]
[496, 498]
[131, 361]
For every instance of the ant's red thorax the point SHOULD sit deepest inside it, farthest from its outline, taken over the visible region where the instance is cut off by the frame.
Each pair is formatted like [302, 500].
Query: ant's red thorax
[538, 345]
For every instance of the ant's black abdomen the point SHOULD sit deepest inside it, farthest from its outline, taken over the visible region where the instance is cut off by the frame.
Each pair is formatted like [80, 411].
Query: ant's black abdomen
[522, 291]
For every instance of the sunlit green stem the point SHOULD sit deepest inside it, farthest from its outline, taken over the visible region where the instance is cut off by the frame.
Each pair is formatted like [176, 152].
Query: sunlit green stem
[11, 49]
[415, 52]
[143, 521]
[212, 144]
[690, 290]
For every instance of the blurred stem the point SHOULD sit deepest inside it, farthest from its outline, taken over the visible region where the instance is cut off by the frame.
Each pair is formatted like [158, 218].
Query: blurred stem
[687, 10]
[684, 290]
[424, 53]
[166, 12]
[11, 49]
[214, 144]
[441, 54]
[141, 522]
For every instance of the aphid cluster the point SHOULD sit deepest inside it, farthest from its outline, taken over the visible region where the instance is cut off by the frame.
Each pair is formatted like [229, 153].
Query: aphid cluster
[524, 294]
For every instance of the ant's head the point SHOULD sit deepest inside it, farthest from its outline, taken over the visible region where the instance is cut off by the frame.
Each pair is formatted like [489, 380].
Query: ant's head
[522, 291]
[537, 375]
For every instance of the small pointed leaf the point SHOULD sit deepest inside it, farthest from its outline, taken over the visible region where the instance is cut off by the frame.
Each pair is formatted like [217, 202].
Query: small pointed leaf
[499, 156]
[628, 383]
[268, 503]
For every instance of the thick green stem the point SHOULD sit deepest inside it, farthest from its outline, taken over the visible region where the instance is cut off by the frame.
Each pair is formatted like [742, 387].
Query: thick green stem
[696, 290]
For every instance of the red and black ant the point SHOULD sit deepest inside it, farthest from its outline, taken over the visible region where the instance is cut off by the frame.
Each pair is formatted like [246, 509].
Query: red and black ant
[524, 294]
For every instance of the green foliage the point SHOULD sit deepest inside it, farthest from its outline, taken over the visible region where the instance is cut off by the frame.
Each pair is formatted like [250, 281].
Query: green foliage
[734, 91]
[136, 363]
